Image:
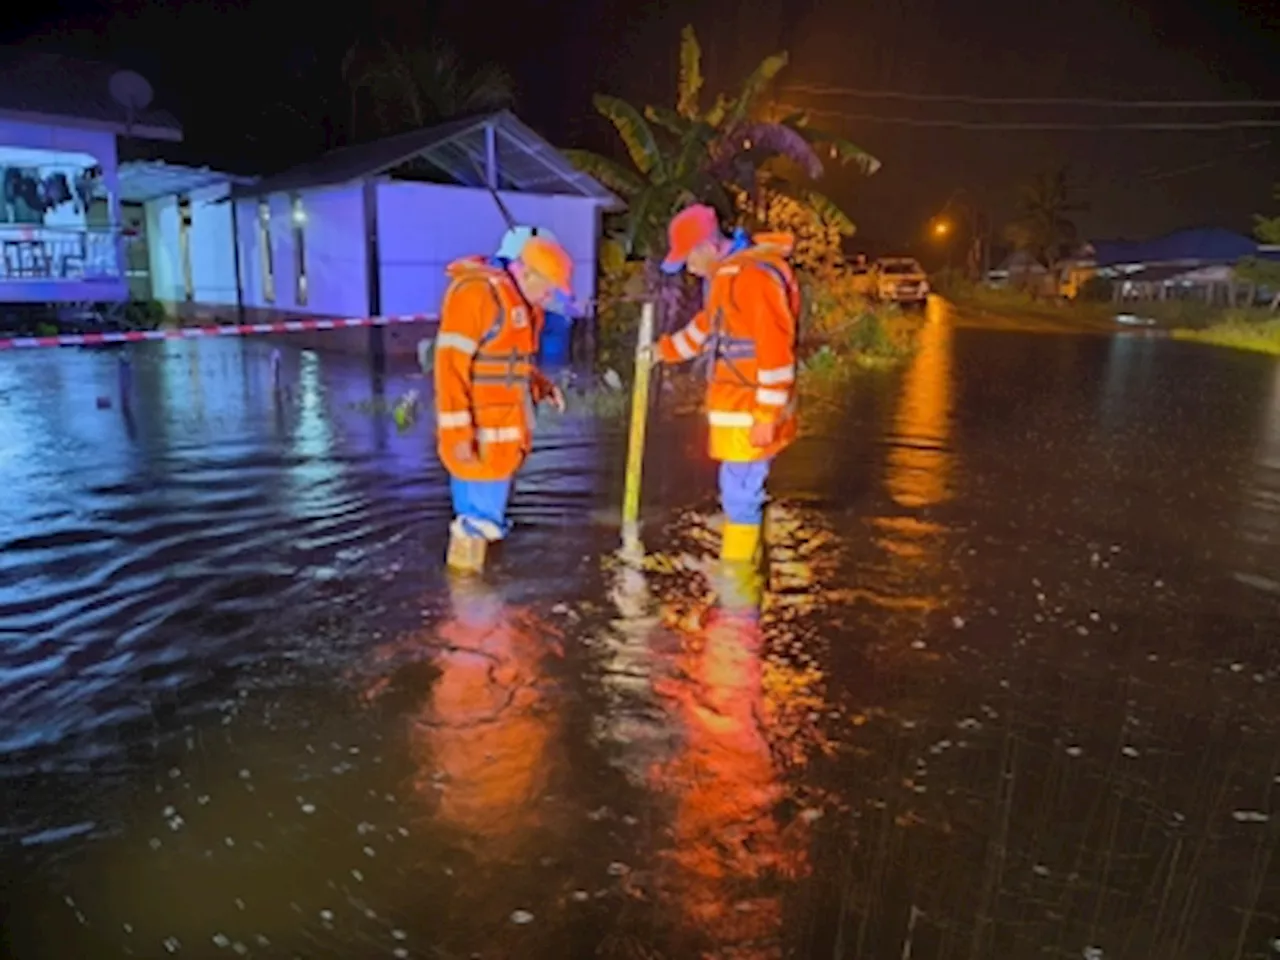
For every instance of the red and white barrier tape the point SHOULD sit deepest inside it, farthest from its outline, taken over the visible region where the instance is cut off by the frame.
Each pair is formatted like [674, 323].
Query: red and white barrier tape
[193, 333]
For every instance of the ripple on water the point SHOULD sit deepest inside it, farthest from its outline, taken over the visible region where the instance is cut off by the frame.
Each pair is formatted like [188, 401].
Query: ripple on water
[241, 713]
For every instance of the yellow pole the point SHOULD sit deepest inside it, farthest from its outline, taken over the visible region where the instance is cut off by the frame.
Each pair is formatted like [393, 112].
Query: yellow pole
[635, 445]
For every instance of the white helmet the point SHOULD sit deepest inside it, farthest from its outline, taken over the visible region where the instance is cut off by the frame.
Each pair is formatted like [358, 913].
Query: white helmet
[513, 240]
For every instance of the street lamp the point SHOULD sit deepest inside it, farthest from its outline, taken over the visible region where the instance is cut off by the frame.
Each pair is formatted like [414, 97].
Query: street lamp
[976, 228]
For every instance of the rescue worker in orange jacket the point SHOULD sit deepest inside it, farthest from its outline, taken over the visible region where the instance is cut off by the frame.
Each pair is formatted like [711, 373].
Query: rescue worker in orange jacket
[486, 384]
[748, 325]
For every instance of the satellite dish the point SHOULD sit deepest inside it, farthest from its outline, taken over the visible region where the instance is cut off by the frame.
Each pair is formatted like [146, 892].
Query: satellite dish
[131, 91]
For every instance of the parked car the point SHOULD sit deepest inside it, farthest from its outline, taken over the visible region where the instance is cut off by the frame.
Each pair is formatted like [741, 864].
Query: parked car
[900, 280]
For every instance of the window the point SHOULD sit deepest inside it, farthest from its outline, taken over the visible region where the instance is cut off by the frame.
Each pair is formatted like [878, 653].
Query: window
[264, 253]
[184, 249]
[299, 218]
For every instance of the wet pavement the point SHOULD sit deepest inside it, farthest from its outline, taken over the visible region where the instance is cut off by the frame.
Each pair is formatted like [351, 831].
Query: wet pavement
[1011, 690]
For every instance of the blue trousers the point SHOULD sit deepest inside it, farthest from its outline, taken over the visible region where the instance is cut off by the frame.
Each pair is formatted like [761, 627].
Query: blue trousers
[742, 490]
[480, 507]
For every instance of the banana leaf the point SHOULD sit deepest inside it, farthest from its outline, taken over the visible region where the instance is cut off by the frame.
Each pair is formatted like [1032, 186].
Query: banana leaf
[635, 132]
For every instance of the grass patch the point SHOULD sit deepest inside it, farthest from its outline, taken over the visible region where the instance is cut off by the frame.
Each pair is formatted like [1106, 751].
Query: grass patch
[1257, 331]
[1179, 315]
[843, 333]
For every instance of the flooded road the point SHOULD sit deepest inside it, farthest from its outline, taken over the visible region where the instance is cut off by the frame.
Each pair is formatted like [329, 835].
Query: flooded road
[1011, 691]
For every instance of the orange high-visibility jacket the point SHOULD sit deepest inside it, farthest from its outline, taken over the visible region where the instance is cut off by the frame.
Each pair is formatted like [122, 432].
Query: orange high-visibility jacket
[485, 379]
[748, 324]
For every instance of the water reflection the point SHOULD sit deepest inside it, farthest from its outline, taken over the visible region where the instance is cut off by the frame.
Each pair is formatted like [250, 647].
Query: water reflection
[919, 466]
[482, 742]
[313, 474]
[1260, 526]
[919, 463]
[724, 875]
[1128, 377]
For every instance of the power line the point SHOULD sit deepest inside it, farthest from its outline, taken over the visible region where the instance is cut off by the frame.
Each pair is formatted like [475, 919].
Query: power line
[820, 91]
[1032, 125]
[1152, 177]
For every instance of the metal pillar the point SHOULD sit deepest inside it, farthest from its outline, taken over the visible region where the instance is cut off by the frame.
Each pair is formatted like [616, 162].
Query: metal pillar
[235, 251]
[491, 156]
[373, 272]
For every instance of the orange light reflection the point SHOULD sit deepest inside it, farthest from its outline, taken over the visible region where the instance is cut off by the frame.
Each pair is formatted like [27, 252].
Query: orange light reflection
[728, 849]
[480, 743]
[919, 463]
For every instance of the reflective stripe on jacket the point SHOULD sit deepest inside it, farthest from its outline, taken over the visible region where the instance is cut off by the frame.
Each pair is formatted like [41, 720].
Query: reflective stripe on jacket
[748, 328]
[486, 383]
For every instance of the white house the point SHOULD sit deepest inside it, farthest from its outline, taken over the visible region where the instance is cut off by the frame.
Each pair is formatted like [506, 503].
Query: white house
[368, 230]
[60, 218]
[181, 249]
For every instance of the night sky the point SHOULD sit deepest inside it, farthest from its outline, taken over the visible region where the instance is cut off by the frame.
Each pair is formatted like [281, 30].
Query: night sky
[216, 64]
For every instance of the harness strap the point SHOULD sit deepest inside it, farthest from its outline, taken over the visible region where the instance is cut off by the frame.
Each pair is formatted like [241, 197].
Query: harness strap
[483, 355]
[729, 348]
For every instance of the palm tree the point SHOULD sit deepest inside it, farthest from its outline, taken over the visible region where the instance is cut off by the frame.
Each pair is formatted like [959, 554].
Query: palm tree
[393, 88]
[684, 154]
[1044, 227]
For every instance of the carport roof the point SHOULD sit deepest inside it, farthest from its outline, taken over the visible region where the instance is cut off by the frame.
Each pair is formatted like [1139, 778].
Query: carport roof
[526, 163]
[143, 180]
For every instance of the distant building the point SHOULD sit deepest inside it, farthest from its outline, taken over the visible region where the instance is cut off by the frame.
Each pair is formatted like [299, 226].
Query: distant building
[365, 230]
[61, 236]
[1021, 271]
[1197, 263]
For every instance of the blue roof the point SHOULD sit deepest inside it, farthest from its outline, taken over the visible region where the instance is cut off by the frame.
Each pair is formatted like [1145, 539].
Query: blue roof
[1204, 245]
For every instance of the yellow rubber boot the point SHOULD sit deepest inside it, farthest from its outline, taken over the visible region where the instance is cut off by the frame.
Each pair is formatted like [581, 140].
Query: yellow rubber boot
[466, 554]
[740, 586]
[741, 543]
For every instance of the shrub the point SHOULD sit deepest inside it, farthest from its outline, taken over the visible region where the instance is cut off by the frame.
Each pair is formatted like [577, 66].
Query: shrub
[143, 314]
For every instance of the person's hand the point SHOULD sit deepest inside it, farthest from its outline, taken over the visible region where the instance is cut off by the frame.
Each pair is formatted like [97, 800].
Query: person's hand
[763, 434]
[555, 397]
[465, 452]
[648, 356]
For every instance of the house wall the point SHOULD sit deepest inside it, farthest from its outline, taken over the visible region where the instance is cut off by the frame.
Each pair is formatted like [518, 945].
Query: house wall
[100, 145]
[423, 227]
[213, 271]
[333, 246]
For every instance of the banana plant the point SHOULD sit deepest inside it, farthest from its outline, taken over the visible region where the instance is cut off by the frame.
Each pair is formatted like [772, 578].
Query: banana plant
[666, 173]
[689, 154]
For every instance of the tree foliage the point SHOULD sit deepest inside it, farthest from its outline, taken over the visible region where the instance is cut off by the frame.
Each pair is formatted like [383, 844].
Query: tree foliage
[1256, 270]
[367, 90]
[1044, 226]
[397, 87]
[714, 155]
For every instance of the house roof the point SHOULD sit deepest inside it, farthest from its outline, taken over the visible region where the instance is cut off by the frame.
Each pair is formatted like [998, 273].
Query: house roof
[143, 180]
[48, 86]
[1021, 260]
[1202, 245]
[526, 162]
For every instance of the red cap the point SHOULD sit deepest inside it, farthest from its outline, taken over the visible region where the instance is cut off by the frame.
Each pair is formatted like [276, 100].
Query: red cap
[690, 227]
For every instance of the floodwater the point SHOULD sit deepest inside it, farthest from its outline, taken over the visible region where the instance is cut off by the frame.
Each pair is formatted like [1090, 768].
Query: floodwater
[1011, 691]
